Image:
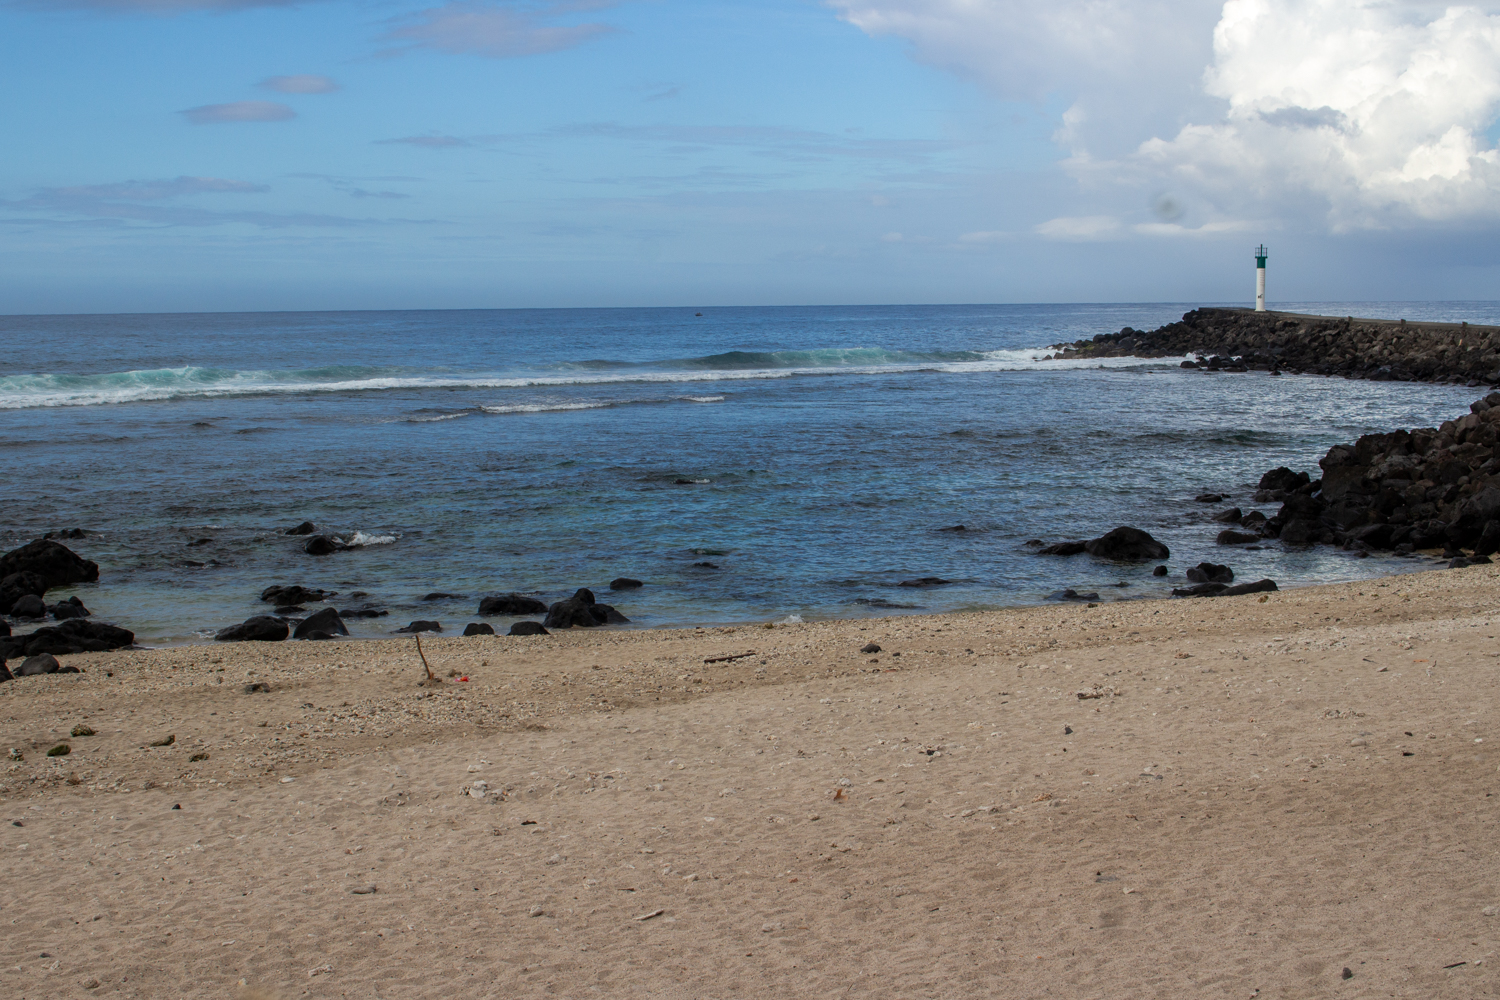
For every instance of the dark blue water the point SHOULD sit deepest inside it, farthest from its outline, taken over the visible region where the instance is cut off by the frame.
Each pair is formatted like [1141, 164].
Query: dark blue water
[822, 449]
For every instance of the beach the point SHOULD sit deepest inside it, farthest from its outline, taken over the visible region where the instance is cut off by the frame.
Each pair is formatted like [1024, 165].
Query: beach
[1243, 796]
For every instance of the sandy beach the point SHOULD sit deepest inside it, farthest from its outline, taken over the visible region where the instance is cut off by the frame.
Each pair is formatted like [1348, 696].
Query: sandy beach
[1236, 797]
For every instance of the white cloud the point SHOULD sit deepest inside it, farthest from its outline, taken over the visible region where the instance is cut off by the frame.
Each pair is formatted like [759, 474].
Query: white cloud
[238, 111]
[1192, 116]
[1378, 110]
[499, 30]
[300, 83]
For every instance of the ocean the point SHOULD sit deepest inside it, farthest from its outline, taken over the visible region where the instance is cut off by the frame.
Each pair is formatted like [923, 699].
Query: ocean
[747, 464]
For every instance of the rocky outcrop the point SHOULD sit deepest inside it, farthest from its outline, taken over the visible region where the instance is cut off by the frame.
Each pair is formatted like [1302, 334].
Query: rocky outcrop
[1244, 340]
[582, 611]
[76, 635]
[1423, 488]
[1223, 590]
[1123, 544]
[54, 563]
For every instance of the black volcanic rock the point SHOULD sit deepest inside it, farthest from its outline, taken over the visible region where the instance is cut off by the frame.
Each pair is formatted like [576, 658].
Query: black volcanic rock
[1126, 544]
[305, 528]
[1207, 572]
[511, 604]
[624, 583]
[295, 594]
[528, 628]
[18, 585]
[479, 628]
[422, 626]
[322, 545]
[326, 621]
[261, 628]
[55, 563]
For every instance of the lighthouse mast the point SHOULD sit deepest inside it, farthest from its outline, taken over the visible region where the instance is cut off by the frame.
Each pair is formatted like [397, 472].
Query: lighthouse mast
[1260, 278]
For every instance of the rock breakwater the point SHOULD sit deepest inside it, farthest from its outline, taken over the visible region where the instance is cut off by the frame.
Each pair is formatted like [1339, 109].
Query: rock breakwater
[1244, 340]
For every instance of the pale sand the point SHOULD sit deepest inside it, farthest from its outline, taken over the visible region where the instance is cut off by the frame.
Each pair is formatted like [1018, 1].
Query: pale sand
[1235, 814]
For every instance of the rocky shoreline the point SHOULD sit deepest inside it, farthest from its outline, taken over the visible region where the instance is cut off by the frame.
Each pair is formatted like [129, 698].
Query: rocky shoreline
[1244, 340]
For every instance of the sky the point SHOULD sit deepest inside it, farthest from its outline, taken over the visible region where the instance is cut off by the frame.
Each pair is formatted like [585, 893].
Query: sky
[186, 155]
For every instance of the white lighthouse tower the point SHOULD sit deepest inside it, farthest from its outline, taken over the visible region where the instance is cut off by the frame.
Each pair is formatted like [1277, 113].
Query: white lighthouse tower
[1260, 278]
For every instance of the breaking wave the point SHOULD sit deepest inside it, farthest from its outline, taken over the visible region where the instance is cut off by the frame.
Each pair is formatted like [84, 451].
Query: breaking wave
[42, 390]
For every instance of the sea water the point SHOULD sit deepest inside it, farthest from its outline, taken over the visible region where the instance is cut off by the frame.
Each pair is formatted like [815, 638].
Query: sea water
[747, 464]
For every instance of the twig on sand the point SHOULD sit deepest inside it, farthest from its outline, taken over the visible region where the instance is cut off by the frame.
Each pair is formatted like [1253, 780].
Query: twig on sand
[727, 659]
[432, 678]
[648, 916]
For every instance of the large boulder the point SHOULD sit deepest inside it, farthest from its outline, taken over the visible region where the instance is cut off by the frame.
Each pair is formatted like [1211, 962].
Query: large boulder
[627, 583]
[1126, 544]
[479, 628]
[55, 563]
[35, 666]
[15, 586]
[76, 635]
[511, 604]
[29, 606]
[261, 628]
[305, 528]
[326, 621]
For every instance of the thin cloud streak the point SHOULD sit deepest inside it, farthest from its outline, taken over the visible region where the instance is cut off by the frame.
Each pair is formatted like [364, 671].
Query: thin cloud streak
[141, 202]
[300, 83]
[237, 112]
[505, 30]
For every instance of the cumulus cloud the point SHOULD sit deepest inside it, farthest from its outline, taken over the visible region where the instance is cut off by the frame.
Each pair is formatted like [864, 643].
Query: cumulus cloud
[238, 111]
[300, 83]
[1379, 110]
[1361, 112]
[499, 30]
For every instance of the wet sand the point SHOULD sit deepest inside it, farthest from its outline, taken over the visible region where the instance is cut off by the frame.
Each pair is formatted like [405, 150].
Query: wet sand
[1230, 797]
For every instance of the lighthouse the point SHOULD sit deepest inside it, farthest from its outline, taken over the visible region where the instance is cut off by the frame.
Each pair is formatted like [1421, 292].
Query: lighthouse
[1260, 278]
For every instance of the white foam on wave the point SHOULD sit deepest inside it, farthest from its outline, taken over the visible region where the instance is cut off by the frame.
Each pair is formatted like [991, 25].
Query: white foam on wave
[433, 420]
[27, 391]
[544, 407]
[360, 539]
[704, 399]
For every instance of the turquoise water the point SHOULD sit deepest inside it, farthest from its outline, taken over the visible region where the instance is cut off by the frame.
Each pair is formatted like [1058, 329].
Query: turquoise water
[812, 455]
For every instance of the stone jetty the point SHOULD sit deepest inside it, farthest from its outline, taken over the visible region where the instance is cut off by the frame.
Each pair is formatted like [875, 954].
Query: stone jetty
[1376, 349]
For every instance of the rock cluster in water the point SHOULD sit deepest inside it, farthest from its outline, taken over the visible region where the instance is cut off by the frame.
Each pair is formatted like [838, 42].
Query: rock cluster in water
[1424, 488]
[1244, 340]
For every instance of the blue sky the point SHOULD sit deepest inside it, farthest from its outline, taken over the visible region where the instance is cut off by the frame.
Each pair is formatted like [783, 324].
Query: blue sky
[252, 154]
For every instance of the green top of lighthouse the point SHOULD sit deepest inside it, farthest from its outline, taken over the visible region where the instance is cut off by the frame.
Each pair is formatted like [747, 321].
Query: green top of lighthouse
[1260, 255]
